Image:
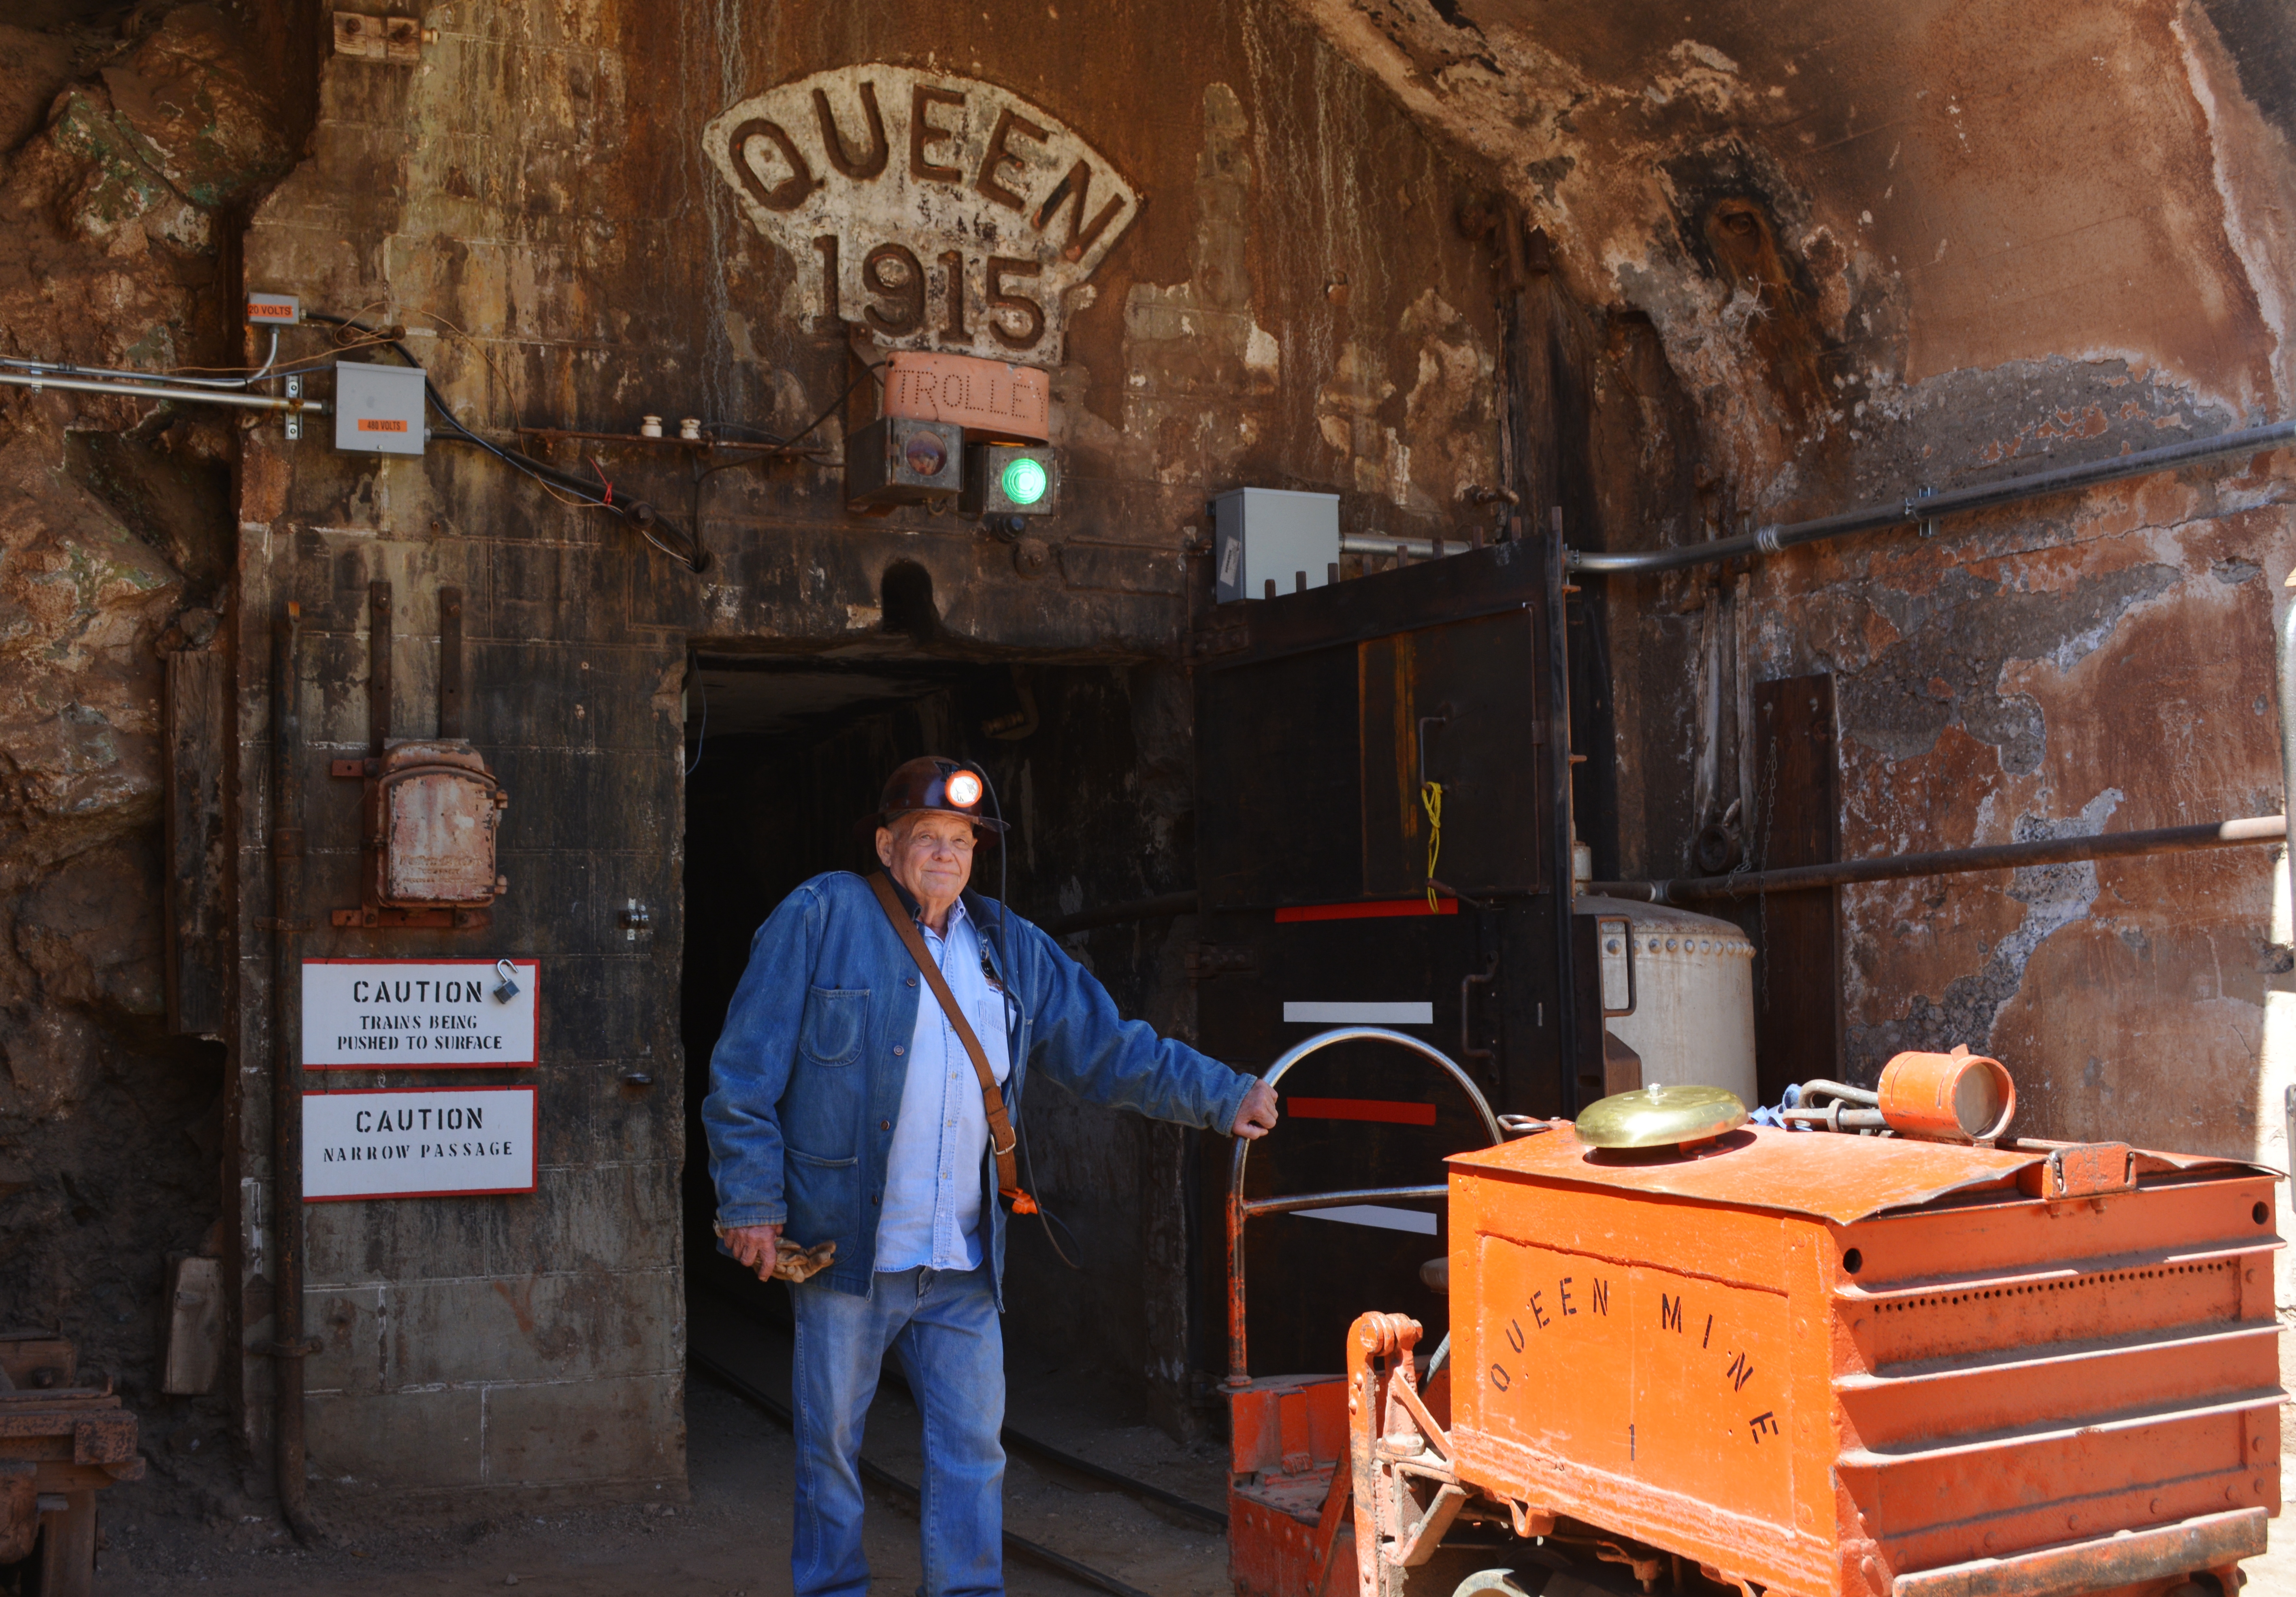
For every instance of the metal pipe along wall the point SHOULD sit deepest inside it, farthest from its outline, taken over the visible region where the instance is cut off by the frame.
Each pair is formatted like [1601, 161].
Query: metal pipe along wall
[156, 391]
[1912, 511]
[1947, 862]
[288, 1347]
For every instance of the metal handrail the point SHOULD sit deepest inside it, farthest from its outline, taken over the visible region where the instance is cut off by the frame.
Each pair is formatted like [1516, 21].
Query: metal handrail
[1241, 1208]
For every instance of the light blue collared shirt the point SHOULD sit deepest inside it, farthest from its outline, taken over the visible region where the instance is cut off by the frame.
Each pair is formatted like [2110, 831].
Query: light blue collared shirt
[933, 1172]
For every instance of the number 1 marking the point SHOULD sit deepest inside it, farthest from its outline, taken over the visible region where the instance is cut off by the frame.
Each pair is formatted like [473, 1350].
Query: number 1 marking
[827, 245]
[953, 265]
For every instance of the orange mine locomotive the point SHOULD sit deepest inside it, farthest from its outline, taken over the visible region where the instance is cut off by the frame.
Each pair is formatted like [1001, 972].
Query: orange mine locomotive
[1689, 1355]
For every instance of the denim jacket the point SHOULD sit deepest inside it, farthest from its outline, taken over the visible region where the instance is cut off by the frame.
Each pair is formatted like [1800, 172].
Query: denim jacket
[805, 1085]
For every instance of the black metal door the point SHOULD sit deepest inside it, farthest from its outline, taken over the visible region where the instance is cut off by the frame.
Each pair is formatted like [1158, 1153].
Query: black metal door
[1321, 718]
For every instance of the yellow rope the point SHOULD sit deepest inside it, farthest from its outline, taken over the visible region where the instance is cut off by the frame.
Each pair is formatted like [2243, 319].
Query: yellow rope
[1431, 800]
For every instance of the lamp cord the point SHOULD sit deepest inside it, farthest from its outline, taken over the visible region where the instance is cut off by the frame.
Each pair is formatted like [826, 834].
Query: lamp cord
[1431, 800]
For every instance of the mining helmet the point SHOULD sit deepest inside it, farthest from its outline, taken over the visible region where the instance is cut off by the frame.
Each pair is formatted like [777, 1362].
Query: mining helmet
[931, 782]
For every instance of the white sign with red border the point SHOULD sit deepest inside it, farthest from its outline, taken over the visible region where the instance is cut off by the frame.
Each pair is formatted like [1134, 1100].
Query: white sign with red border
[418, 1142]
[418, 1014]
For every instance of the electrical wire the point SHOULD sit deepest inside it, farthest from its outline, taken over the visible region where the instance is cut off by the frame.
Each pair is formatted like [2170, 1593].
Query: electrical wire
[702, 473]
[1431, 800]
[701, 738]
[1011, 1013]
[775, 438]
[638, 515]
[475, 342]
[843, 394]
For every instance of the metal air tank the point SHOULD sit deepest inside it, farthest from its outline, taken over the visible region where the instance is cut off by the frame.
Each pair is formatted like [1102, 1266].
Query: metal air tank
[1686, 981]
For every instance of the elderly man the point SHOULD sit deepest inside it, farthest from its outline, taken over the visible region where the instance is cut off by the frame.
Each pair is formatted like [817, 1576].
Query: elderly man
[850, 1104]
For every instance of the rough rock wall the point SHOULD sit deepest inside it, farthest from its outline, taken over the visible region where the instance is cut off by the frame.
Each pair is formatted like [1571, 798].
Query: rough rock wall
[1919, 245]
[124, 151]
[1914, 246]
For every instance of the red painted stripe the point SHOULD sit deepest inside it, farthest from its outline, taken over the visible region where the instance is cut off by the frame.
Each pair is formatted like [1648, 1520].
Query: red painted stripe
[1381, 909]
[1360, 1109]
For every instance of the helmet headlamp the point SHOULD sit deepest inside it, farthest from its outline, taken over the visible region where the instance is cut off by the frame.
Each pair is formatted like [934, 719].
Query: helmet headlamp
[930, 782]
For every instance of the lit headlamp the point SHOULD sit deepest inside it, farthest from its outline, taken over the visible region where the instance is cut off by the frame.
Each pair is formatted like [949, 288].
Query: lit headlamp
[932, 783]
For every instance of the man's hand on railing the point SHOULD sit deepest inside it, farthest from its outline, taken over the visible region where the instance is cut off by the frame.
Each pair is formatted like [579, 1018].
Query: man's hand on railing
[1257, 1117]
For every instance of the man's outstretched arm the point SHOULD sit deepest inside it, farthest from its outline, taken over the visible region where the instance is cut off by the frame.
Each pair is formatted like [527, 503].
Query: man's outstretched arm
[1082, 1043]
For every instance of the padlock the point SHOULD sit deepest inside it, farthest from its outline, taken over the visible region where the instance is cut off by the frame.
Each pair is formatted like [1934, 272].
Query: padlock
[508, 990]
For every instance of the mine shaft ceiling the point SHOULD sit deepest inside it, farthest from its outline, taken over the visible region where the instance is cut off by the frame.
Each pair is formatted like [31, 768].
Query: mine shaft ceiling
[1827, 204]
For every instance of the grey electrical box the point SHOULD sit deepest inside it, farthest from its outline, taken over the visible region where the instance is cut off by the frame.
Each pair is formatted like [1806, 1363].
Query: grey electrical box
[378, 409]
[273, 310]
[896, 460]
[1263, 535]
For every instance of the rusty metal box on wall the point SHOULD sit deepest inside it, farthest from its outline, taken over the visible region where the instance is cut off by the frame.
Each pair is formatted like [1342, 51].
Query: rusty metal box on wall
[897, 460]
[433, 809]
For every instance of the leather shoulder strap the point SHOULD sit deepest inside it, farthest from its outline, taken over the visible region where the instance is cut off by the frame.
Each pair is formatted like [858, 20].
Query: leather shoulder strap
[992, 1096]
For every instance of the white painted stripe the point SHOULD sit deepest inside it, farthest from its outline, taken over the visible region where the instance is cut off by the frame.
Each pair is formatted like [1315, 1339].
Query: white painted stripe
[1359, 1014]
[1375, 1214]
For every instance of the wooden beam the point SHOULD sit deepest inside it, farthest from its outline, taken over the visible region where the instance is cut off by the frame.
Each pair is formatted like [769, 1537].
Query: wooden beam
[196, 717]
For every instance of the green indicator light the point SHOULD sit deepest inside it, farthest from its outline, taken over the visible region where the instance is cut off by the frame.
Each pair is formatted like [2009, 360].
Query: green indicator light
[1024, 481]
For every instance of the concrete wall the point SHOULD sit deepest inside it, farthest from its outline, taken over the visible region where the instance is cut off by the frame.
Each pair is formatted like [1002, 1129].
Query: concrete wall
[1286, 309]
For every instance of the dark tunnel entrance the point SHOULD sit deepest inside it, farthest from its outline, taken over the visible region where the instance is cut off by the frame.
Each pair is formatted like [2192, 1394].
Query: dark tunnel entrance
[1089, 762]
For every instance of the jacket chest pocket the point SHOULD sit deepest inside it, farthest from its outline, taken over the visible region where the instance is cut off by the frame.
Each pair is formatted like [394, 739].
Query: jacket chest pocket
[834, 1019]
[821, 1111]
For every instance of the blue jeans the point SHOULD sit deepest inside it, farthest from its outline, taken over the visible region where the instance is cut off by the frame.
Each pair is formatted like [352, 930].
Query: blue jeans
[943, 1325]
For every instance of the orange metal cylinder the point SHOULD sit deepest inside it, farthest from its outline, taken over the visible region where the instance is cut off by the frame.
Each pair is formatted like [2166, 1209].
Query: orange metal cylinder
[1959, 1097]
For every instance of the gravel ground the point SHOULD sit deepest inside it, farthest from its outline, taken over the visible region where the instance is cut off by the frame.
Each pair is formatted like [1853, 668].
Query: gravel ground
[732, 1538]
